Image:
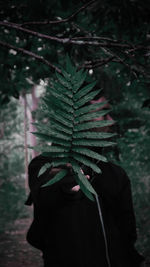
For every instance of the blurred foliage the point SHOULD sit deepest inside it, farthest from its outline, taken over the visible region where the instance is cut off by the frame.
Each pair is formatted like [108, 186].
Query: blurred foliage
[12, 191]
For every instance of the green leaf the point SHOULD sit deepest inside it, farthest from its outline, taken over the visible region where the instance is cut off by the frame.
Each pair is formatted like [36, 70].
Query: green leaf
[62, 97]
[62, 90]
[44, 168]
[56, 149]
[69, 66]
[60, 127]
[78, 80]
[93, 135]
[86, 162]
[84, 188]
[89, 108]
[63, 81]
[56, 155]
[57, 178]
[89, 153]
[93, 124]
[61, 119]
[82, 177]
[55, 103]
[91, 116]
[61, 142]
[59, 162]
[86, 99]
[91, 142]
[82, 92]
[43, 136]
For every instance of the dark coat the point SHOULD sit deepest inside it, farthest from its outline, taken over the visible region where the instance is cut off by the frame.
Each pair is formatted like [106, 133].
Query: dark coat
[67, 227]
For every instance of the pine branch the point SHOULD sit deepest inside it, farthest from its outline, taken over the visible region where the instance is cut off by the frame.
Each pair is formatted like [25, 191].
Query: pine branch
[31, 54]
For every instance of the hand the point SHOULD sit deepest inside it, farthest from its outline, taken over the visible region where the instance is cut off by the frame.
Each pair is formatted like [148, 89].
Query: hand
[76, 188]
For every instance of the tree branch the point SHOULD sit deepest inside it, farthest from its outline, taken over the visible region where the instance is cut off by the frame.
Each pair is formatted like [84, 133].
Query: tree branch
[31, 54]
[46, 22]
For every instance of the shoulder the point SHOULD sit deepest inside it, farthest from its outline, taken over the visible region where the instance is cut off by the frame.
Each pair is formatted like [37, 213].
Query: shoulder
[113, 177]
[36, 164]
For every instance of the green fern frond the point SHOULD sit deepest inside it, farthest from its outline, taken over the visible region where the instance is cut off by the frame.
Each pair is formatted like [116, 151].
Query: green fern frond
[71, 125]
[85, 90]
[93, 135]
[91, 125]
[89, 108]
[57, 178]
[89, 153]
[91, 142]
[92, 115]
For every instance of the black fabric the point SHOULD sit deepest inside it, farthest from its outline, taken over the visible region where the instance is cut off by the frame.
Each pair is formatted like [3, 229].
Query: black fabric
[66, 225]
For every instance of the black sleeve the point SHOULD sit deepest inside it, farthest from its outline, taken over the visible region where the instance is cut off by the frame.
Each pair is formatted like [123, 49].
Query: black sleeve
[126, 216]
[126, 220]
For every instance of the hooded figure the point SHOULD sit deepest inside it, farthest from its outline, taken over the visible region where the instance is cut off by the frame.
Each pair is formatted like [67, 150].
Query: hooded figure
[69, 228]
[66, 225]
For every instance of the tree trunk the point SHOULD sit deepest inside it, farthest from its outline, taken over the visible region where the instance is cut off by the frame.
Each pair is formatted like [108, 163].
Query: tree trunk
[30, 114]
[25, 140]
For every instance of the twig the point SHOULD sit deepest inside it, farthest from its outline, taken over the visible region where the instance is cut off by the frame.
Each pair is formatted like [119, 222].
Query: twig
[31, 54]
[94, 41]
[46, 22]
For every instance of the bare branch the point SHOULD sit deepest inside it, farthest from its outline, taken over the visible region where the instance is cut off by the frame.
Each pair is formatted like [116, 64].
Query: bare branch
[97, 63]
[92, 41]
[46, 22]
[31, 54]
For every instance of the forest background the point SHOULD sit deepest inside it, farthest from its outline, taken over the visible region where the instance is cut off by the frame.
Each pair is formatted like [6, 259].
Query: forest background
[111, 39]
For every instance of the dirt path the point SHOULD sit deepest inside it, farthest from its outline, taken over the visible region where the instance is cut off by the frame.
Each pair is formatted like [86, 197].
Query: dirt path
[14, 249]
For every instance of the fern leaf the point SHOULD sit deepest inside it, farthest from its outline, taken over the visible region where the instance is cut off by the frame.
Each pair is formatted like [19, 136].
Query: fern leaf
[89, 108]
[85, 90]
[44, 168]
[42, 136]
[90, 116]
[66, 75]
[69, 66]
[62, 90]
[62, 97]
[60, 127]
[91, 142]
[59, 134]
[89, 153]
[78, 80]
[91, 125]
[82, 177]
[61, 142]
[86, 162]
[59, 162]
[57, 149]
[85, 99]
[61, 119]
[63, 81]
[57, 178]
[65, 115]
[93, 135]
[84, 188]
[56, 155]
[56, 103]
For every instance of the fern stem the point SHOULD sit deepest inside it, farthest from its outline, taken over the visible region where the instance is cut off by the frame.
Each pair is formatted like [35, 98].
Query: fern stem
[103, 230]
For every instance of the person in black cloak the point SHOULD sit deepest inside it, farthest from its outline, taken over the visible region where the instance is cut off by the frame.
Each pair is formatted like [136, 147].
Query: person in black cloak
[67, 227]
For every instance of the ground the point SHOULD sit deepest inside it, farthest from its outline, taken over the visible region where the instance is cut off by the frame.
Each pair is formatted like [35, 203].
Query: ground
[14, 249]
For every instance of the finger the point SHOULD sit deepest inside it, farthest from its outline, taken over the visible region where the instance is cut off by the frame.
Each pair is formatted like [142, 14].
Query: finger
[75, 188]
